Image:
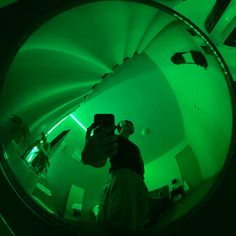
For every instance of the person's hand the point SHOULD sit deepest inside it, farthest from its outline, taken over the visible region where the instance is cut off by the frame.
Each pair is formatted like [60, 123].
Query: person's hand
[89, 130]
[100, 146]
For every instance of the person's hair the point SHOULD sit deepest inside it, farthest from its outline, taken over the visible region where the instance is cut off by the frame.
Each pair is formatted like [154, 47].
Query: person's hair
[119, 126]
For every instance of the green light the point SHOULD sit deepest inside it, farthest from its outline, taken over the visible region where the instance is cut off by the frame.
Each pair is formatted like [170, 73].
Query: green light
[6, 156]
[205, 40]
[32, 153]
[4, 3]
[73, 117]
[56, 125]
[96, 210]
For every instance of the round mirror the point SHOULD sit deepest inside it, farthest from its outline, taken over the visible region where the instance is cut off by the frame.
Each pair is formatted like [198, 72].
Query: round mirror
[141, 62]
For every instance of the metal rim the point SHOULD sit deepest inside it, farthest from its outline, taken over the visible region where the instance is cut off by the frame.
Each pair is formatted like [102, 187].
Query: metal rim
[67, 6]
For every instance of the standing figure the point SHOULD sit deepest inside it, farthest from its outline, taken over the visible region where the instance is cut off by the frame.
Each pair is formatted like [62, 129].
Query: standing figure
[124, 201]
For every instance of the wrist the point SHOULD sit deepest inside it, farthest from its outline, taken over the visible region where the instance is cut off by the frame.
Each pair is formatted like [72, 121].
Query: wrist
[83, 157]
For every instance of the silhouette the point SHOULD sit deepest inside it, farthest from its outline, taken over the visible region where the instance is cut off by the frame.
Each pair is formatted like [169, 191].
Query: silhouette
[124, 201]
[198, 58]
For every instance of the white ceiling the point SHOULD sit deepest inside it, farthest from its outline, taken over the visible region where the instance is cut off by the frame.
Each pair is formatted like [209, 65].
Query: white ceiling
[138, 91]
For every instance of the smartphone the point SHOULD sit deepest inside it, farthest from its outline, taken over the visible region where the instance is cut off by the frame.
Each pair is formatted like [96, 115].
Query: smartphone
[104, 120]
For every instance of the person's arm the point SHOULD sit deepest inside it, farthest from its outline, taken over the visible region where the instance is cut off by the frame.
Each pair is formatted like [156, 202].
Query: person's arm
[89, 131]
[83, 154]
[99, 164]
[99, 147]
[93, 163]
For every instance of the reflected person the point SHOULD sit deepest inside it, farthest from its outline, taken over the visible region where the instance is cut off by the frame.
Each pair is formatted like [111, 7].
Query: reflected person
[124, 201]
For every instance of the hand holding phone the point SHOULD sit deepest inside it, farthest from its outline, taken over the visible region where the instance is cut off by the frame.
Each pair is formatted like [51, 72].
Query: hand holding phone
[103, 143]
[99, 147]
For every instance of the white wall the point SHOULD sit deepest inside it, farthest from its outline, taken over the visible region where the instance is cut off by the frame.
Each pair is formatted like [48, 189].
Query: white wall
[202, 95]
[164, 169]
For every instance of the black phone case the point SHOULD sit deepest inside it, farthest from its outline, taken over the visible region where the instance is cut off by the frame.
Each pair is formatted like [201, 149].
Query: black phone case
[104, 120]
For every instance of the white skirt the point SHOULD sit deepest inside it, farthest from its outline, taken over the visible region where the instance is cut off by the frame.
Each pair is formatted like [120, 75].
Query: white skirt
[124, 201]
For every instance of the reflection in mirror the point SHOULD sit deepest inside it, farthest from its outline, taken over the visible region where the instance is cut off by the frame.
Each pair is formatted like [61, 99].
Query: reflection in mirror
[147, 67]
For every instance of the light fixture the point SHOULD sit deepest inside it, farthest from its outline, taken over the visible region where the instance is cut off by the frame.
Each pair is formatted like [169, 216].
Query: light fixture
[74, 118]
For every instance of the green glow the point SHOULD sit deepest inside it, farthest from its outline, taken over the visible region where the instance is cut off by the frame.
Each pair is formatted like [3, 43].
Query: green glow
[205, 40]
[73, 117]
[96, 210]
[56, 125]
[34, 151]
[32, 154]
[4, 3]
[184, 104]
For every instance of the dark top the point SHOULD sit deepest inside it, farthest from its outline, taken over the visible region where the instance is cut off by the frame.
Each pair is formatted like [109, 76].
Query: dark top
[128, 156]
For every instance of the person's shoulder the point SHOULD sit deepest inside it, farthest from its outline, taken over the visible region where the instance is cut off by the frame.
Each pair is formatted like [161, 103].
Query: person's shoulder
[134, 145]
